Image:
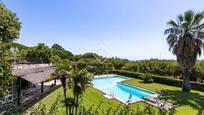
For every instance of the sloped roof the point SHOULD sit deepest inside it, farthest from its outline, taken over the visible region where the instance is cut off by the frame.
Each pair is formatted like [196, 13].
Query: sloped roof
[35, 74]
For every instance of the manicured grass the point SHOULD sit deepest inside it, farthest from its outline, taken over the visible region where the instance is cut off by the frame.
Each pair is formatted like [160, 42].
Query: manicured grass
[190, 102]
[92, 97]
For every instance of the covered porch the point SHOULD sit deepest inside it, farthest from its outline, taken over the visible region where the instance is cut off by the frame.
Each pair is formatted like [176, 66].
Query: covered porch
[32, 81]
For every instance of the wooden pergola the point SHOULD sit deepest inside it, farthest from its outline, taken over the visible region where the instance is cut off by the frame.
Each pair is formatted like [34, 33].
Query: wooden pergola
[35, 75]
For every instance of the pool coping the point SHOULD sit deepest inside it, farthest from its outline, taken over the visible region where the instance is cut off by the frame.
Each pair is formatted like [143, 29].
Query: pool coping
[139, 88]
[122, 82]
[126, 78]
[104, 75]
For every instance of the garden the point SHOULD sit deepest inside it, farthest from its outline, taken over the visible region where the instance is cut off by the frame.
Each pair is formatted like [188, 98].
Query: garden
[179, 81]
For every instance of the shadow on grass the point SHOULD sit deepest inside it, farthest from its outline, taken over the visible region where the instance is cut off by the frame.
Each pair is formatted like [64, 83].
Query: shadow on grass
[195, 100]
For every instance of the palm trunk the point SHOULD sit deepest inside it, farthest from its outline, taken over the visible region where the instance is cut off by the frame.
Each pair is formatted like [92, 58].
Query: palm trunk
[65, 98]
[63, 80]
[77, 102]
[70, 108]
[73, 106]
[186, 85]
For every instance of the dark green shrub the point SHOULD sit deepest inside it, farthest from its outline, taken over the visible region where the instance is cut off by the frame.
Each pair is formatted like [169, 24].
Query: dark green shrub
[148, 78]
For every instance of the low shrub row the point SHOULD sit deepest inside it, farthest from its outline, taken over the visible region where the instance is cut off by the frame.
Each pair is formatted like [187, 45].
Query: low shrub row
[160, 79]
[148, 78]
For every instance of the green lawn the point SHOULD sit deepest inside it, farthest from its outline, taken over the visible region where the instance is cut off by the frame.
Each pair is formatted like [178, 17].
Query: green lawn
[190, 102]
[92, 97]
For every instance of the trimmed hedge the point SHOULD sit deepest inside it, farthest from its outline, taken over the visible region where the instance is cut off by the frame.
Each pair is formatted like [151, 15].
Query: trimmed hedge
[160, 79]
[148, 78]
[129, 74]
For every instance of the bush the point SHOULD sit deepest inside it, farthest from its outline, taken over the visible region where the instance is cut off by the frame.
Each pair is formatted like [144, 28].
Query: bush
[154, 66]
[148, 78]
[160, 79]
[167, 80]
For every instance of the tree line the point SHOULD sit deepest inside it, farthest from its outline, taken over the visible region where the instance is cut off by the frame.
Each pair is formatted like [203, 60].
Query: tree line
[43, 54]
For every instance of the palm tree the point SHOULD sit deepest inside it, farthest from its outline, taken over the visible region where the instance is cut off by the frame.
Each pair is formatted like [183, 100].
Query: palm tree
[63, 73]
[184, 37]
[81, 79]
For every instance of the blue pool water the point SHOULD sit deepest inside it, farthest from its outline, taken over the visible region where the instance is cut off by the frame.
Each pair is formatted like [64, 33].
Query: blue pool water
[113, 86]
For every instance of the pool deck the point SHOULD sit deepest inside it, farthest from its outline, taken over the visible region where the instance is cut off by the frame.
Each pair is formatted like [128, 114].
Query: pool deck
[107, 96]
[105, 75]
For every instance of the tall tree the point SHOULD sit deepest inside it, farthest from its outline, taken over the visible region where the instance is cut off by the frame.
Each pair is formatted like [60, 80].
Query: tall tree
[9, 31]
[63, 54]
[39, 54]
[9, 25]
[184, 37]
[57, 47]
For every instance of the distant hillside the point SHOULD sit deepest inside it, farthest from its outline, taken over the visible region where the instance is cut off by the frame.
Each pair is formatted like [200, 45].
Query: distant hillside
[14, 44]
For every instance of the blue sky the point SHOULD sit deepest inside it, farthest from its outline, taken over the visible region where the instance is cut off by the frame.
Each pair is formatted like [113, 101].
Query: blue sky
[130, 29]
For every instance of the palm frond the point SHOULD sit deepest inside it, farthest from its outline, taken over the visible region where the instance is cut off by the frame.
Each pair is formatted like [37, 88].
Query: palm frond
[199, 51]
[175, 49]
[198, 17]
[201, 35]
[171, 40]
[199, 46]
[180, 18]
[185, 26]
[201, 27]
[171, 31]
[198, 42]
[168, 31]
[188, 16]
[172, 24]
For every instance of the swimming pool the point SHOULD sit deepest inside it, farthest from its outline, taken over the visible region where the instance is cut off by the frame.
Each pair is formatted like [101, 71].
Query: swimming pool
[112, 85]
